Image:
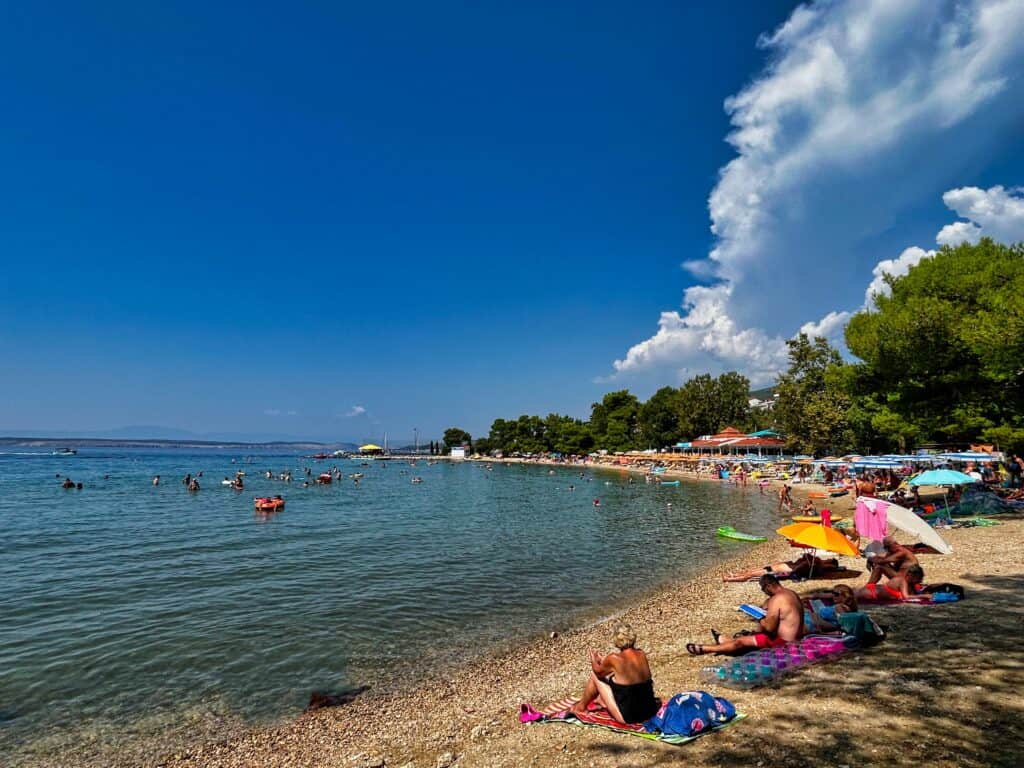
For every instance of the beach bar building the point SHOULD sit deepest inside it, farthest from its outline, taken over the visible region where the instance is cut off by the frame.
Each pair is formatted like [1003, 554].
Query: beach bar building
[731, 442]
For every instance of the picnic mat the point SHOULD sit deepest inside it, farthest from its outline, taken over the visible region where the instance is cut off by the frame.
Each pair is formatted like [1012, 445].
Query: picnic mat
[597, 716]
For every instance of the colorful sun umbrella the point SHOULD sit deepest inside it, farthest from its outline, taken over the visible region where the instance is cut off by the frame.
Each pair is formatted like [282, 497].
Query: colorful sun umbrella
[819, 536]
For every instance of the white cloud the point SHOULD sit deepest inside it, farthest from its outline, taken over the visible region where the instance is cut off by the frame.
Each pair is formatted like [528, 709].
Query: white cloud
[862, 110]
[707, 340]
[830, 326]
[995, 212]
[958, 232]
[894, 267]
[355, 410]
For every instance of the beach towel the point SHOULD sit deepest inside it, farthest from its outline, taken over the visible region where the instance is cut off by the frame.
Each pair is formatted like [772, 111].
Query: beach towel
[870, 521]
[597, 716]
[925, 598]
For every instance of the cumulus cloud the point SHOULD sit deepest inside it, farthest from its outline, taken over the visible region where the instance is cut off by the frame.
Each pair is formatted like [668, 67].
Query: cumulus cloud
[862, 109]
[355, 410]
[895, 268]
[707, 339]
[830, 326]
[995, 212]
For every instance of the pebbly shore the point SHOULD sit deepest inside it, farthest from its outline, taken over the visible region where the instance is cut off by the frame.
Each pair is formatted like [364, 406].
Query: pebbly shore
[942, 690]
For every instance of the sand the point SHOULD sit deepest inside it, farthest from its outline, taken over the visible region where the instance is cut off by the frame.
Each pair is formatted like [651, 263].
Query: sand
[942, 690]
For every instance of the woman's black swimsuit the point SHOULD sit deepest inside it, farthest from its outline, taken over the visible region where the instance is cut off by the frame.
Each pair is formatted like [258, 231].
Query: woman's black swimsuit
[636, 702]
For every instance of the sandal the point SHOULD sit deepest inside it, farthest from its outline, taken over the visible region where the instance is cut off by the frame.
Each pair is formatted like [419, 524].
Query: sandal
[695, 650]
[717, 635]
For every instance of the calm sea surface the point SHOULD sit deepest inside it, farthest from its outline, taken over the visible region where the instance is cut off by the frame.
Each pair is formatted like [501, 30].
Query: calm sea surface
[128, 607]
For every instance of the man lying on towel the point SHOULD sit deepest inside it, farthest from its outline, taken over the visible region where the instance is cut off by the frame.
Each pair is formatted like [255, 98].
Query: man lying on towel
[903, 585]
[783, 623]
[800, 568]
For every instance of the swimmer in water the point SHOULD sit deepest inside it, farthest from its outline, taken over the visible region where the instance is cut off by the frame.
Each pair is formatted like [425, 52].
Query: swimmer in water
[597, 502]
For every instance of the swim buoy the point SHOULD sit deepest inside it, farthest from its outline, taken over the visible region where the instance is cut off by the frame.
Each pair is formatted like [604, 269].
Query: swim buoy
[267, 504]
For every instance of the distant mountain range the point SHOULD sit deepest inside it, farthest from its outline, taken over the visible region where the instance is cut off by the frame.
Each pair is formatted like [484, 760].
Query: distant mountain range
[765, 393]
[127, 442]
[155, 436]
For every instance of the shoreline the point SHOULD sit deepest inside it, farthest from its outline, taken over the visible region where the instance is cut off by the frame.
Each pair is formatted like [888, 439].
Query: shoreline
[469, 717]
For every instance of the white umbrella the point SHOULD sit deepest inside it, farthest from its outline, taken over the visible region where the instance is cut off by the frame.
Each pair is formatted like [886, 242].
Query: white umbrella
[905, 519]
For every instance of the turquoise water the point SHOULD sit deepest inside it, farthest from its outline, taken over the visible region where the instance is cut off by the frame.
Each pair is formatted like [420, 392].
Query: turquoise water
[126, 605]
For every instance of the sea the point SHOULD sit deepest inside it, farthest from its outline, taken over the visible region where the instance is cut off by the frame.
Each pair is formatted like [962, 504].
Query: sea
[139, 613]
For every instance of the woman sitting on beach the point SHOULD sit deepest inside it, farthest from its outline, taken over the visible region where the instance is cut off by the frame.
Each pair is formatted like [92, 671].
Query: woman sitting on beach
[621, 682]
[824, 618]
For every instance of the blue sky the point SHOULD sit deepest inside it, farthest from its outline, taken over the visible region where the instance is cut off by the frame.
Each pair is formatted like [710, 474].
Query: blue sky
[338, 219]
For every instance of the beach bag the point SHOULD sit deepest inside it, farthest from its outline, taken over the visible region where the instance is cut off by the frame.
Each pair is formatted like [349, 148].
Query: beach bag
[691, 713]
[950, 589]
[861, 626]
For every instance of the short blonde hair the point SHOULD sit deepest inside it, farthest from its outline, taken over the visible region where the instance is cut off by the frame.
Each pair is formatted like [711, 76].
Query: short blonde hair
[623, 637]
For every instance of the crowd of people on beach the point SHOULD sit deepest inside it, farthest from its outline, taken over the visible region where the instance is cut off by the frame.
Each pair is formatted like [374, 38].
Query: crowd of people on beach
[621, 681]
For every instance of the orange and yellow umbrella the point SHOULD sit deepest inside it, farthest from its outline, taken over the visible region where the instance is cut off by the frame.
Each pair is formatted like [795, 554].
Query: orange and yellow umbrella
[818, 536]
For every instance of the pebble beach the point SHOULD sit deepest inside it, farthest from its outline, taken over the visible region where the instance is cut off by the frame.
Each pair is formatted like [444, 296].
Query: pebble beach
[942, 690]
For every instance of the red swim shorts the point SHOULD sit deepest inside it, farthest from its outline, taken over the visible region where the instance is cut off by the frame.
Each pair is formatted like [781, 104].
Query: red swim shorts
[766, 641]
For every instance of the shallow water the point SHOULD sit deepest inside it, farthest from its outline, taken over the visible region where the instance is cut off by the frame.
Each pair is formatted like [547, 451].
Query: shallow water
[129, 608]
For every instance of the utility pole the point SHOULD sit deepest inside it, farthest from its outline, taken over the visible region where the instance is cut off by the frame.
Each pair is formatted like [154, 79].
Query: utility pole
[416, 440]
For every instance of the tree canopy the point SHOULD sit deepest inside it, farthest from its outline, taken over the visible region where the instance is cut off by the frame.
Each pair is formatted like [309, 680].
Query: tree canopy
[941, 357]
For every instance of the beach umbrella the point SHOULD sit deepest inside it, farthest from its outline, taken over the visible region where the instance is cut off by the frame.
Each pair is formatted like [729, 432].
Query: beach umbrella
[819, 536]
[906, 520]
[968, 456]
[942, 477]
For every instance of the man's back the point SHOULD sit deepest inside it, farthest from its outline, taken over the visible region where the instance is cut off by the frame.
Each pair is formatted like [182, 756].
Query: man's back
[791, 613]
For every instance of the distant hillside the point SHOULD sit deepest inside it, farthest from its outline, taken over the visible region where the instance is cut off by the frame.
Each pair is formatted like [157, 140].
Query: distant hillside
[765, 393]
[94, 442]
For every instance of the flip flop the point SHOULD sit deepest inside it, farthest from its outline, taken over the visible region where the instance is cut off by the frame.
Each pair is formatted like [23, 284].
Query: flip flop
[717, 635]
[694, 649]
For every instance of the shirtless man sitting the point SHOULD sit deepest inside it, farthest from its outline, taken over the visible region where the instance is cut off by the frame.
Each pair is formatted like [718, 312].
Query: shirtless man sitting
[783, 623]
[800, 568]
[900, 587]
[897, 558]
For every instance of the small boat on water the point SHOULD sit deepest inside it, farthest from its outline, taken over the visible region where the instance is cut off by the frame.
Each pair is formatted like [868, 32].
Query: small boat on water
[728, 532]
[65, 452]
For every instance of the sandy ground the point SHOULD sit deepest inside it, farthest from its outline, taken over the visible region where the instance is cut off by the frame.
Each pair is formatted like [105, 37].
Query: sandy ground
[943, 690]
